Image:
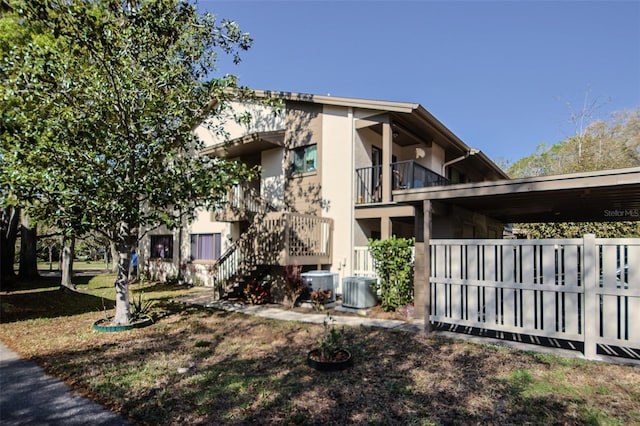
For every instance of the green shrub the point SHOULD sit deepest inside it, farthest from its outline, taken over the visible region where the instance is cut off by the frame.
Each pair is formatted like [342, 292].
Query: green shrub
[139, 308]
[393, 261]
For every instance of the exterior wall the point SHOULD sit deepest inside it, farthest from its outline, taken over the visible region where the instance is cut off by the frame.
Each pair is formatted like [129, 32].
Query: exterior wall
[262, 120]
[337, 187]
[272, 177]
[192, 272]
[435, 158]
[160, 269]
[304, 126]
[362, 231]
[363, 141]
[204, 225]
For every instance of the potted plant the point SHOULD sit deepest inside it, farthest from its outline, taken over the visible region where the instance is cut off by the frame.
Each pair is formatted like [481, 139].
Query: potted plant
[330, 355]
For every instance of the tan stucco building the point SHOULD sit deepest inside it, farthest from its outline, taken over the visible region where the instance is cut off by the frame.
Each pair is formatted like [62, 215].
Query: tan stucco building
[329, 167]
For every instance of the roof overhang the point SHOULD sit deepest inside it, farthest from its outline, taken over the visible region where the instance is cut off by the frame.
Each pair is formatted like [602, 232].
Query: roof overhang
[601, 196]
[249, 144]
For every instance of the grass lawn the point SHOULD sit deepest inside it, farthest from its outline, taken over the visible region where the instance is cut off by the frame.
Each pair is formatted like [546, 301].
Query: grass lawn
[198, 366]
[77, 265]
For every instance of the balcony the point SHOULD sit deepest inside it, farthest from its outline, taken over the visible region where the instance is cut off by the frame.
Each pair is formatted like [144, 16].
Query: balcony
[404, 175]
[242, 202]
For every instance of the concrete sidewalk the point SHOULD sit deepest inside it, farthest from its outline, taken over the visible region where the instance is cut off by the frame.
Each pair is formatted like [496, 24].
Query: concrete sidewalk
[206, 299]
[28, 396]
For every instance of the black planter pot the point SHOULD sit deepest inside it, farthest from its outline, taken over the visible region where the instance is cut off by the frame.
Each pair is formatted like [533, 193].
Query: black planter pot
[104, 325]
[343, 361]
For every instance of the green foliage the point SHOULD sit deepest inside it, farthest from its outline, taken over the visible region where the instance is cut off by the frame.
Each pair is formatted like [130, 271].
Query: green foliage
[579, 229]
[331, 339]
[393, 260]
[99, 102]
[139, 307]
[602, 145]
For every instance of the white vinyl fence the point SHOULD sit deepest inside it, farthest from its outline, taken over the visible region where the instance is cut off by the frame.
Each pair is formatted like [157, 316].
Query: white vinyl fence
[582, 294]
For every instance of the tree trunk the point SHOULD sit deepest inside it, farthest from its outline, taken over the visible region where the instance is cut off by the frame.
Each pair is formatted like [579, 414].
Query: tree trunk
[123, 311]
[28, 250]
[8, 235]
[50, 258]
[114, 257]
[68, 249]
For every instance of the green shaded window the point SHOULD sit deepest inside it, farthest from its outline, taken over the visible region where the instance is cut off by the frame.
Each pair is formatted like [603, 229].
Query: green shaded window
[305, 159]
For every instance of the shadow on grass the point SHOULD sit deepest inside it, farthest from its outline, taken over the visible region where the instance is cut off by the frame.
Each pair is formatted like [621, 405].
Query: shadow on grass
[44, 298]
[245, 370]
[201, 366]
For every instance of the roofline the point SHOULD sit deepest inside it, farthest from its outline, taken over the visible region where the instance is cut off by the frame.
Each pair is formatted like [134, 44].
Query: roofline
[380, 105]
[599, 178]
[456, 141]
[391, 106]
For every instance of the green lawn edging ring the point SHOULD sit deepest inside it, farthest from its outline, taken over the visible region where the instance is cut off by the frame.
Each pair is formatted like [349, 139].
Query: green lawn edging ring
[104, 325]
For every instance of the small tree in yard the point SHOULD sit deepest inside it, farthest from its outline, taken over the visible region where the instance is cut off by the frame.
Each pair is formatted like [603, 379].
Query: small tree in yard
[393, 261]
[97, 117]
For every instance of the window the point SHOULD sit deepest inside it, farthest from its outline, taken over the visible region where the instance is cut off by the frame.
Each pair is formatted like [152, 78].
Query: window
[205, 246]
[162, 246]
[305, 159]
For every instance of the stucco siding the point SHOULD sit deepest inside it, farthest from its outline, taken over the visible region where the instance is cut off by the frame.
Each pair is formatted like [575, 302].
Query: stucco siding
[272, 177]
[262, 120]
[337, 186]
[304, 124]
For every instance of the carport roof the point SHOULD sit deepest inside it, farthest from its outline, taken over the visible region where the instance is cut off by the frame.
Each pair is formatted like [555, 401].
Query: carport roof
[601, 196]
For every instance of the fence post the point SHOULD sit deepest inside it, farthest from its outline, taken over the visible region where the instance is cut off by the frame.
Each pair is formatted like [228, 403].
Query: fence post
[426, 258]
[590, 313]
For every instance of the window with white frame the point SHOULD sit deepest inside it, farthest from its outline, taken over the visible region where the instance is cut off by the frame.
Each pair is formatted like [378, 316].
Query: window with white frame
[205, 246]
[305, 159]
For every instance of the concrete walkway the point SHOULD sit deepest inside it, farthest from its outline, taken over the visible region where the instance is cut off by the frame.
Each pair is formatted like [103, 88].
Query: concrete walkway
[28, 396]
[206, 299]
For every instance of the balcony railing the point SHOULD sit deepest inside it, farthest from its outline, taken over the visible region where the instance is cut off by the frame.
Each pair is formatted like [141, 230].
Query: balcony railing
[277, 238]
[241, 203]
[404, 175]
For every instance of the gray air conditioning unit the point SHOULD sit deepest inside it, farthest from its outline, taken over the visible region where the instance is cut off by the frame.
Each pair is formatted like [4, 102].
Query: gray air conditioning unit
[321, 280]
[359, 292]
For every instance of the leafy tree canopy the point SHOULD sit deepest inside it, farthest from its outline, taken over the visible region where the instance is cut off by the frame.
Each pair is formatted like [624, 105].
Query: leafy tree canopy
[99, 101]
[602, 145]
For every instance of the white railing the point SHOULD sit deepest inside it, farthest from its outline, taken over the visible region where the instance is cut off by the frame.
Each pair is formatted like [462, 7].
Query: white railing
[577, 290]
[363, 262]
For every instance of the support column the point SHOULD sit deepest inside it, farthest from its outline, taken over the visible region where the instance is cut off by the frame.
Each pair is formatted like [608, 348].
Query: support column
[422, 270]
[387, 147]
[385, 228]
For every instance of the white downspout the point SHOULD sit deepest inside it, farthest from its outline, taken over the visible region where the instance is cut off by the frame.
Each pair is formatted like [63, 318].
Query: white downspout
[472, 151]
[352, 191]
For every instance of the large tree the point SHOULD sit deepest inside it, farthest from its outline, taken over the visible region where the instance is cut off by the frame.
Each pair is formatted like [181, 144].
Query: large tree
[97, 122]
[601, 145]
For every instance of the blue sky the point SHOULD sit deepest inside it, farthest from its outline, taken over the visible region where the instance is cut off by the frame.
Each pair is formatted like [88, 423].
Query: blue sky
[505, 76]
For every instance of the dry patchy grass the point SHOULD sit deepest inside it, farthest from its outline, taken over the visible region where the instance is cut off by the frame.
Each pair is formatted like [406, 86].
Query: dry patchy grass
[197, 366]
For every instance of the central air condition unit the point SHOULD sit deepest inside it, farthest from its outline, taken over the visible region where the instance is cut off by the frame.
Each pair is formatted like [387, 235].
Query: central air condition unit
[321, 280]
[359, 292]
